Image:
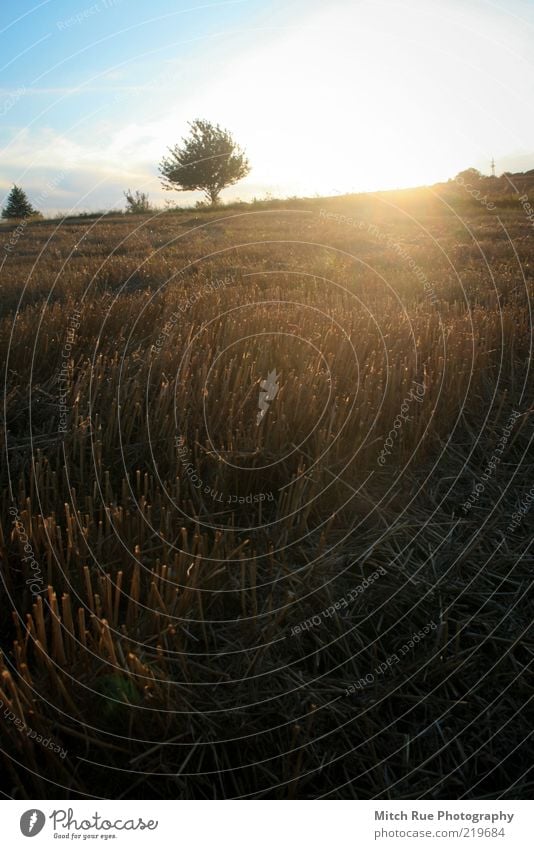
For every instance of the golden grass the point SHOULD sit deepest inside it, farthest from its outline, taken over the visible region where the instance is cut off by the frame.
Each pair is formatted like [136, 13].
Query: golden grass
[159, 653]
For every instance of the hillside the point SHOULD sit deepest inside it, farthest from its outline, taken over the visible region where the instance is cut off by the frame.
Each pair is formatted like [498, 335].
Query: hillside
[205, 602]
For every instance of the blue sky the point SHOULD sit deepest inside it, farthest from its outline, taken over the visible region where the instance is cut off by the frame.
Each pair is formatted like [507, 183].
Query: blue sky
[325, 97]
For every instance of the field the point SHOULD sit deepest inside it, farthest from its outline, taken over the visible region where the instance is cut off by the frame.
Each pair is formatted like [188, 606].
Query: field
[265, 525]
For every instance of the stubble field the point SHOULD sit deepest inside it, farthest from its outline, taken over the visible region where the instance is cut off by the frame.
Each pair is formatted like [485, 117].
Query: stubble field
[265, 497]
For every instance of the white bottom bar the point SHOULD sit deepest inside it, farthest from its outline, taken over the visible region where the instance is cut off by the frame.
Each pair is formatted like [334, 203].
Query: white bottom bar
[257, 825]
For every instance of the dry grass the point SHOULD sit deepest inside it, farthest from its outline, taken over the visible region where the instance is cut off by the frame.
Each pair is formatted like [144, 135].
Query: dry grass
[161, 655]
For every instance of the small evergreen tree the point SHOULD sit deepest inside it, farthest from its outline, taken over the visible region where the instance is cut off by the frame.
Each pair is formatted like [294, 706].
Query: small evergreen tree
[209, 159]
[137, 202]
[18, 205]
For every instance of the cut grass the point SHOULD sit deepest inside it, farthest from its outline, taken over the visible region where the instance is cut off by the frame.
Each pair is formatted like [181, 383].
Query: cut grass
[160, 653]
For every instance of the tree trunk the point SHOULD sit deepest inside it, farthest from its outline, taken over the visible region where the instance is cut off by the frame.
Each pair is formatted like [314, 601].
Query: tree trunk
[213, 195]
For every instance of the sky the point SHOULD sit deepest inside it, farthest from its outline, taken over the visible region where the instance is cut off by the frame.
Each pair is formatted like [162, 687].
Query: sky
[325, 97]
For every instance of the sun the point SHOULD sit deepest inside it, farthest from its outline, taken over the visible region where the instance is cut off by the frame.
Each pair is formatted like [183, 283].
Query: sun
[364, 96]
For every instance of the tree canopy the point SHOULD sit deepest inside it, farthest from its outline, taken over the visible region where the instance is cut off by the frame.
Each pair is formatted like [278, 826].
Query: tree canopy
[470, 174]
[208, 159]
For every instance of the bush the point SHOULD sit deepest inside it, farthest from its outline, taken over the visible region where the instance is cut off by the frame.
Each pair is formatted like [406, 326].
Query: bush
[137, 202]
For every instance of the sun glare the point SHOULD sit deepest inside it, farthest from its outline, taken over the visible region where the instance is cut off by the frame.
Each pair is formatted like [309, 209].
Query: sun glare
[359, 99]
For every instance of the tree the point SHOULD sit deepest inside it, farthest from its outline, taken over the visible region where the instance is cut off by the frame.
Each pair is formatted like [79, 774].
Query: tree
[472, 174]
[137, 202]
[18, 205]
[209, 159]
